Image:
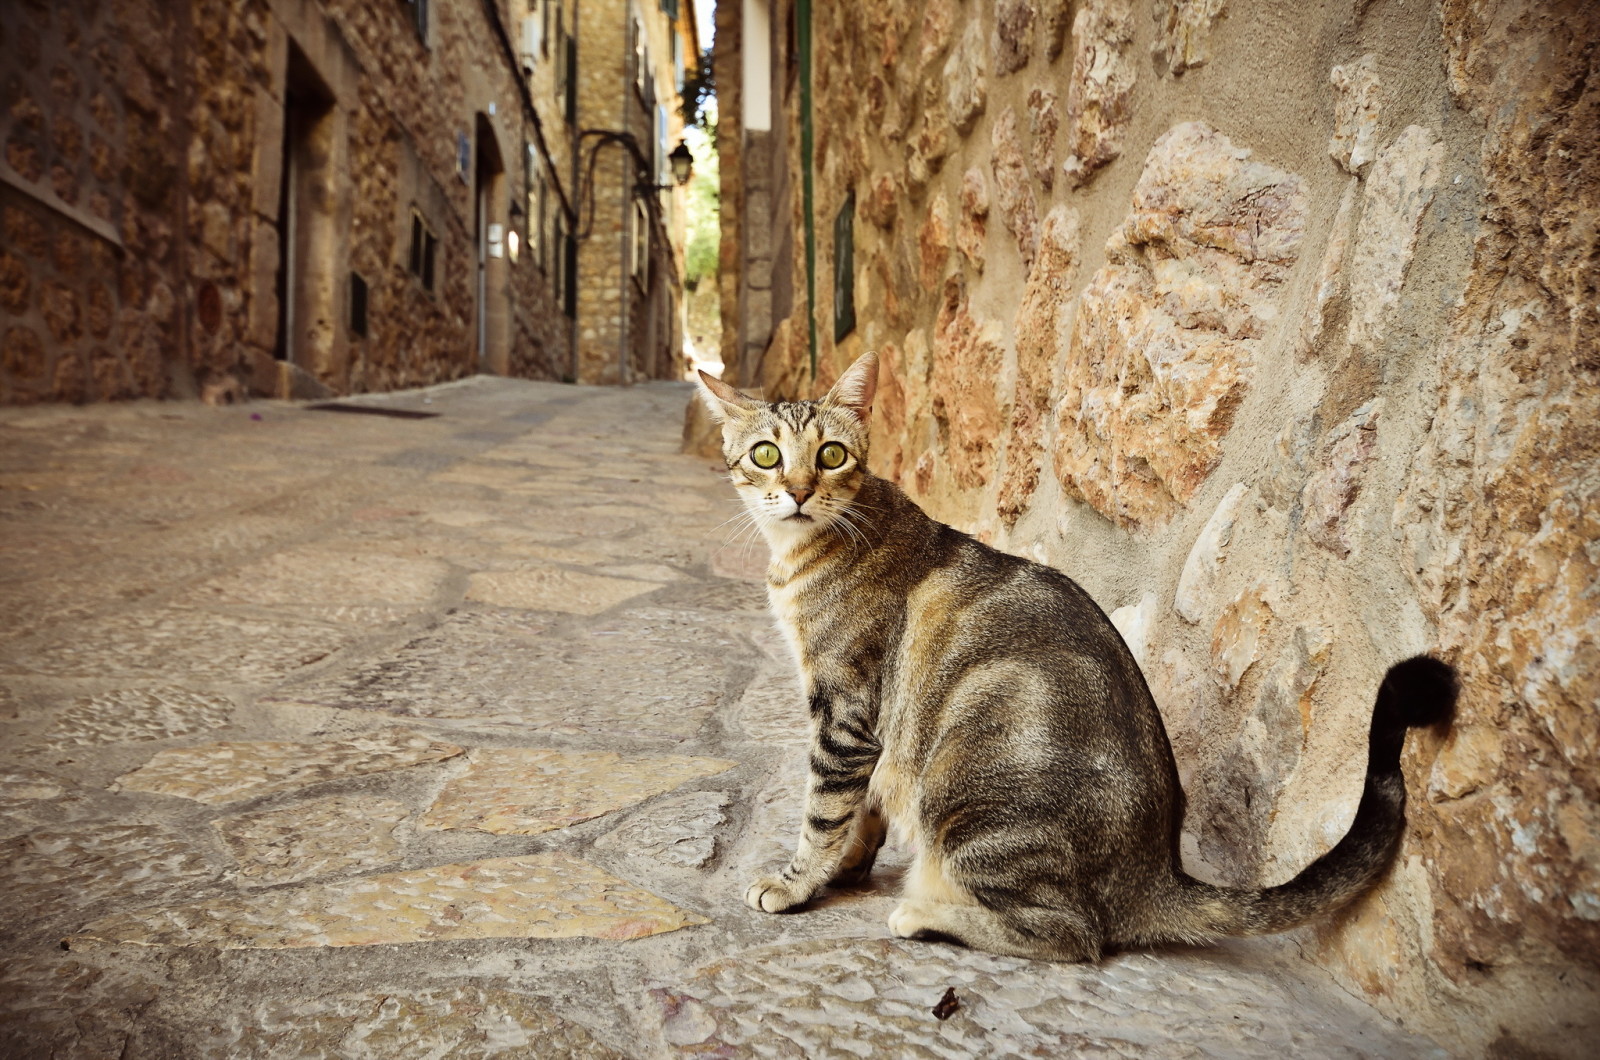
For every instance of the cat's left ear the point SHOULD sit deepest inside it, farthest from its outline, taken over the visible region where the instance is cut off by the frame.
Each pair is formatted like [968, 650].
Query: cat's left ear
[723, 400]
[857, 387]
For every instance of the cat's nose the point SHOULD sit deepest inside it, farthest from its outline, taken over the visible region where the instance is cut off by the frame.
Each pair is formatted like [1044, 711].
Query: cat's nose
[801, 496]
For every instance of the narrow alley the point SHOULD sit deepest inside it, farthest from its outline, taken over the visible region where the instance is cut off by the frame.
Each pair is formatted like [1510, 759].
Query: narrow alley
[461, 734]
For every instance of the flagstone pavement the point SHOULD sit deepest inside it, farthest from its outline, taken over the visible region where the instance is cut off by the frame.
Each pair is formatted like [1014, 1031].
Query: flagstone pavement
[341, 735]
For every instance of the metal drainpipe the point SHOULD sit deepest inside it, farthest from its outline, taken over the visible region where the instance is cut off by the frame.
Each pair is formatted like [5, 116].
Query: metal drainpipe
[624, 291]
[802, 18]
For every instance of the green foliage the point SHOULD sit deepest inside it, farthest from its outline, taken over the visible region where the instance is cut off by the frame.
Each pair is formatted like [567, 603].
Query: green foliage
[704, 200]
[700, 96]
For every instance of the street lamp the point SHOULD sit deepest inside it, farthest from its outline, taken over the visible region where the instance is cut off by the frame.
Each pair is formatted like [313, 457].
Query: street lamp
[682, 162]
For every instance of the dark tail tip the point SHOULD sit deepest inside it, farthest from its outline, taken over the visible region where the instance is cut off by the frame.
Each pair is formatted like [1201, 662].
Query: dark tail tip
[1423, 691]
[1419, 691]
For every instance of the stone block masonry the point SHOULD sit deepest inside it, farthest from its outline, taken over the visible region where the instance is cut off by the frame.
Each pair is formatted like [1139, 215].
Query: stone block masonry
[1275, 327]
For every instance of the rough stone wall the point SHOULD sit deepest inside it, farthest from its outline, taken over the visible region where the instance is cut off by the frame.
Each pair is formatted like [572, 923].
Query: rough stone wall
[144, 161]
[1275, 326]
[92, 121]
[614, 296]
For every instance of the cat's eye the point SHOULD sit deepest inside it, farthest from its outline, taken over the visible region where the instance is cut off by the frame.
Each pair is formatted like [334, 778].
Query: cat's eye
[765, 455]
[831, 456]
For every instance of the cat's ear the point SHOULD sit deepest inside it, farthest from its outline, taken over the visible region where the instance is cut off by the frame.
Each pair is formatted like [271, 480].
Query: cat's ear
[724, 402]
[857, 387]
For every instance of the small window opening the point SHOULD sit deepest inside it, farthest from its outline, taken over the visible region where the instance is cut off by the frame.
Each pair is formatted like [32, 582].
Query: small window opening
[358, 305]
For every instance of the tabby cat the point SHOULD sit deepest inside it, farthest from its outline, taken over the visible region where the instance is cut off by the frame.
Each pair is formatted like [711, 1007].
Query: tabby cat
[986, 707]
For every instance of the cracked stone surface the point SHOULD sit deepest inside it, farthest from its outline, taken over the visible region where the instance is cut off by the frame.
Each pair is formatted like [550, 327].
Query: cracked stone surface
[137, 714]
[446, 1023]
[858, 998]
[528, 790]
[349, 736]
[342, 833]
[544, 896]
[227, 772]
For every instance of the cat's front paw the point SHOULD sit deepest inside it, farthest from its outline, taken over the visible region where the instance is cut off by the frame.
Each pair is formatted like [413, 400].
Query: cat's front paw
[769, 894]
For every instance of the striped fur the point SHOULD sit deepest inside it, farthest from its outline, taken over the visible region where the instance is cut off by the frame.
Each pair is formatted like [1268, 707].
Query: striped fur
[986, 707]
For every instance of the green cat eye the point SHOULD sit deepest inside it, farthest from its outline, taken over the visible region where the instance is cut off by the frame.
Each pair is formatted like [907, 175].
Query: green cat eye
[765, 455]
[831, 456]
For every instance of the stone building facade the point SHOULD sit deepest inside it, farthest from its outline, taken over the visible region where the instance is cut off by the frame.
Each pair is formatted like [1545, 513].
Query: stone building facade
[631, 71]
[1276, 327]
[287, 197]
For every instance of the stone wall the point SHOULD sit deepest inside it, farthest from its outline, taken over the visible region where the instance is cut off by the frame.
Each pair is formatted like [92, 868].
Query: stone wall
[145, 148]
[630, 327]
[1276, 327]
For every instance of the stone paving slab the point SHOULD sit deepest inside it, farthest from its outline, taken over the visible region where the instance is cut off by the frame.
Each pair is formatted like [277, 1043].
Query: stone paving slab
[347, 736]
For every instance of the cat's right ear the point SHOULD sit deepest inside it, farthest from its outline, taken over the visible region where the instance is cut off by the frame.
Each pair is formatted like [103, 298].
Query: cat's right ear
[724, 402]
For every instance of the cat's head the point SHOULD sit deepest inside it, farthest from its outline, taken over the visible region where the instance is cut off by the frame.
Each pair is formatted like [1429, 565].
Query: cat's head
[798, 465]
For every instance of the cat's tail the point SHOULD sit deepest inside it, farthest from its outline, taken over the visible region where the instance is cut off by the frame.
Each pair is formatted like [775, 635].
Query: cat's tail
[1420, 691]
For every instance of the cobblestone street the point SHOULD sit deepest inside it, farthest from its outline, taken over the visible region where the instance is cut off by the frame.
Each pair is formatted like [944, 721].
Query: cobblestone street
[363, 736]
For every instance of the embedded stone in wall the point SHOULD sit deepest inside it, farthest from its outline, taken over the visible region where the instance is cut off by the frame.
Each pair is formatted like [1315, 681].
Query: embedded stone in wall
[1236, 801]
[1167, 333]
[1236, 637]
[1355, 113]
[938, 23]
[965, 83]
[902, 415]
[133, 714]
[881, 203]
[1135, 622]
[1183, 31]
[926, 151]
[1330, 277]
[1055, 19]
[933, 240]
[967, 359]
[344, 833]
[1043, 320]
[544, 896]
[1198, 582]
[1100, 91]
[227, 772]
[1332, 490]
[1043, 121]
[1399, 190]
[973, 226]
[526, 791]
[1013, 187]
[1012, 41]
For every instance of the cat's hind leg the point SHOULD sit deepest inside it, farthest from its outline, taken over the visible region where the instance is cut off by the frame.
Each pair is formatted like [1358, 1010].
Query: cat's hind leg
[937, 908]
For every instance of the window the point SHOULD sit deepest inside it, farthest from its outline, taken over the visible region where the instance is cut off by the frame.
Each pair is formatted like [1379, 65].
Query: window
[641, 242]
[641, 59]
[358, 306]
[417, 11]
[424, 251]
[844, 268]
